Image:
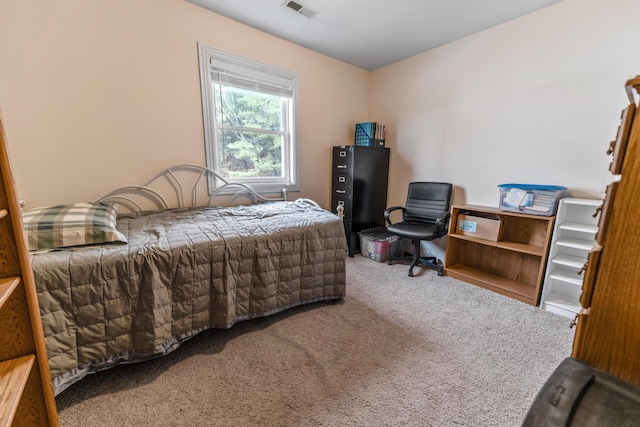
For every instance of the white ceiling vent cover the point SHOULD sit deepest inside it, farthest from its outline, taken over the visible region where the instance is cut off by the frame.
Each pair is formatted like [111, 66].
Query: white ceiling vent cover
[300, 8]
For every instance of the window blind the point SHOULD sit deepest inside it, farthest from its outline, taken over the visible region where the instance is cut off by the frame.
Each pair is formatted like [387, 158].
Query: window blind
[258, 81]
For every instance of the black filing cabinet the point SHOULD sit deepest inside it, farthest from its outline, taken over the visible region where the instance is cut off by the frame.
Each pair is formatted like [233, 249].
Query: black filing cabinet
[360, 177]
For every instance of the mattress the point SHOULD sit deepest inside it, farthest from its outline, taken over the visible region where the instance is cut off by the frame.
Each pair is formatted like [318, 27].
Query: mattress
[182, 271]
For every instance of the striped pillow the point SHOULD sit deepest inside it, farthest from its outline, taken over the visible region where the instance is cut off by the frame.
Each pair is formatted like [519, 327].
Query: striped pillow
[79, 224]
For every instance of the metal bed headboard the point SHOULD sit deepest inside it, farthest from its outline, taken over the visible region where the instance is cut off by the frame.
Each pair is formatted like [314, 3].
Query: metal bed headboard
[166, 190]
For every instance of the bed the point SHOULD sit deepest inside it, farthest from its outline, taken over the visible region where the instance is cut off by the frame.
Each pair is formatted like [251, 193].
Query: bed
[174, 268]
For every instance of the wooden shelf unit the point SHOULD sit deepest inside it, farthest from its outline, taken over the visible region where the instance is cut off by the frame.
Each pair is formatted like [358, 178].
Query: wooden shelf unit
[608, 326]
[26, 393]
[512, 266]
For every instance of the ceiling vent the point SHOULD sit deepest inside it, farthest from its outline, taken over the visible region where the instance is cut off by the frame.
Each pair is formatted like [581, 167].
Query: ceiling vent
[300, 8]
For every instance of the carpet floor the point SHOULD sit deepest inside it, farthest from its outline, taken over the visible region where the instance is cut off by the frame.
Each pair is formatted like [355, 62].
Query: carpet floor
[398, 351]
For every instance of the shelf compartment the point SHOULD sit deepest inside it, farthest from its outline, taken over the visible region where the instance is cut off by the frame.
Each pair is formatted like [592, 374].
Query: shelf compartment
[504, 244]
[496, 260]
[566, 276]
[576, 226]
[14, 374]
[512, 266]
[7, 286]
[561, 304]
[570, 242]
[502, 285]
[569, 261]
[16, 334]
[583, 202]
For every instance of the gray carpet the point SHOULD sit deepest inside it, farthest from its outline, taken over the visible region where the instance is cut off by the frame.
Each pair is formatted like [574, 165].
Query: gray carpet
[422, 351]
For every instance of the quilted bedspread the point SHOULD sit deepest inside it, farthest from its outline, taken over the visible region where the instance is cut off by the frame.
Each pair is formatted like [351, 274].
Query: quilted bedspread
[183, 271]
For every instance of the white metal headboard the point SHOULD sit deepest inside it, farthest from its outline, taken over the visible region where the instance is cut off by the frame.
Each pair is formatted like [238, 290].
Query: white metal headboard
[166, 190]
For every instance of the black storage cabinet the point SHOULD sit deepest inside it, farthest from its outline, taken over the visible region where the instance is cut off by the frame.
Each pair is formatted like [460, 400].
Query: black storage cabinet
[359, 178]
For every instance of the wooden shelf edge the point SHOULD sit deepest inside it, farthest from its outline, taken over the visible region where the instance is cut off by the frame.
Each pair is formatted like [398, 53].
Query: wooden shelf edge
[497, 211]
[13, 379]
[7, 286]
[511, 288]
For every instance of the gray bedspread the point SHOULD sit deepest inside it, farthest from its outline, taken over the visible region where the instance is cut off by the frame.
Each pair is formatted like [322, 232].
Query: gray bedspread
[183, 271]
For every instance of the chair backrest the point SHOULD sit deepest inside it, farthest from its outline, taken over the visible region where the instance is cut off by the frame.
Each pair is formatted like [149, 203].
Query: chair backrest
[427, 200]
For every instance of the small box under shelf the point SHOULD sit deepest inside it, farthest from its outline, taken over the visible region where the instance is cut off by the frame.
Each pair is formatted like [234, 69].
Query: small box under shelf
[481, 227]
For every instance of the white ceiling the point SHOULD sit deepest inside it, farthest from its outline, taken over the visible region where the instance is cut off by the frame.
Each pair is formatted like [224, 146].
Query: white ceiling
[373, 33]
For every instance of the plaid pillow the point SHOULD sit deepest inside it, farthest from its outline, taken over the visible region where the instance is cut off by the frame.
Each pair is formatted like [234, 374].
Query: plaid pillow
[79, 224]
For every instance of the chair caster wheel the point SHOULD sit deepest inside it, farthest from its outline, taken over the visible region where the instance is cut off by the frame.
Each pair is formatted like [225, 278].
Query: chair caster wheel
[411, 274]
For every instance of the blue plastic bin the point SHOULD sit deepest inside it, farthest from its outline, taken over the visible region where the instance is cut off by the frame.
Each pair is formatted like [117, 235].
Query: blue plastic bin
[531, 198]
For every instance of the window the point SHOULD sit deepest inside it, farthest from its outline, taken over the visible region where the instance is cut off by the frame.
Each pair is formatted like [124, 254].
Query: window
[249, 121]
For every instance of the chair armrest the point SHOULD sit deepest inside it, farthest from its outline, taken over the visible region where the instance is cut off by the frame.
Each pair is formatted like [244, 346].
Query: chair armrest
[388, 211]
[441, 223]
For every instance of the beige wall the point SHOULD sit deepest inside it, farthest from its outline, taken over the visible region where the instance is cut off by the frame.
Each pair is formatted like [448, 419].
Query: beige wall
[97, 94]
[535, 100]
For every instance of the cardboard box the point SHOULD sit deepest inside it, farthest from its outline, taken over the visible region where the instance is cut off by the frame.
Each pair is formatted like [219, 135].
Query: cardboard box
[487, 228]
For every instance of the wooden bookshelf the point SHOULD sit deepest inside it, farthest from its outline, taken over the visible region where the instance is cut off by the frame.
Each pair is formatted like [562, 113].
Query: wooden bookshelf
[608, 323]
[513, 265]
[26, 393]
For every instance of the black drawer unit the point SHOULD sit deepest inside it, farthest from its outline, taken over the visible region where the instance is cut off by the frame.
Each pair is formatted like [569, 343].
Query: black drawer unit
[359, 184]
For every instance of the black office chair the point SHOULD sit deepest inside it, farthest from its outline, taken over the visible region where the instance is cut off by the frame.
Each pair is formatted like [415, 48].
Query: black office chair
[425, 217]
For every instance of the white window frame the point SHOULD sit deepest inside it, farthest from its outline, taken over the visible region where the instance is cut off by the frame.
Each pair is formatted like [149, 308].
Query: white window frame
[209, 58]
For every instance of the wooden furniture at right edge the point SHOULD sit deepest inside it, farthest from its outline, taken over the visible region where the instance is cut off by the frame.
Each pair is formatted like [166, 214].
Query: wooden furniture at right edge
[608, 326]
[512, 266]
[26, 393]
